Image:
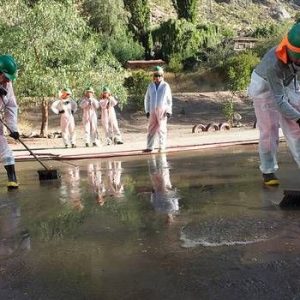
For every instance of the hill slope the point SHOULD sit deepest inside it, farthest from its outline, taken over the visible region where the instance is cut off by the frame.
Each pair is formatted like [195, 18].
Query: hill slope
[239, 15]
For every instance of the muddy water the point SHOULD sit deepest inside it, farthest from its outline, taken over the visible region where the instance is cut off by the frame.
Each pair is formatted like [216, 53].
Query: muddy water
[191, 226]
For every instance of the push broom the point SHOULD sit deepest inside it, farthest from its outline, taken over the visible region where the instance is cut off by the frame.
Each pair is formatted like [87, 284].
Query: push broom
[291, 199]
[46, 173]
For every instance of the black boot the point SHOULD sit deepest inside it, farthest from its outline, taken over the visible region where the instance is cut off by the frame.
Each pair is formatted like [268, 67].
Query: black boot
[12, 178]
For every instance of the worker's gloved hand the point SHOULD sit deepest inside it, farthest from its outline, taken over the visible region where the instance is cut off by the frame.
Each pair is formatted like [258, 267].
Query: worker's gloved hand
[66, 102]
[61, 111]
[72, 112]
[147, 115]
[298, 121]
[168, 115]
[90, 102]
[15, 135]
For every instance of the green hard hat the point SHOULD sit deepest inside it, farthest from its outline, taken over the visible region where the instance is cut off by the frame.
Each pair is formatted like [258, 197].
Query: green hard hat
[89, 89]
[8, 67]
[158, 69]
[106, 89]
[294, 39]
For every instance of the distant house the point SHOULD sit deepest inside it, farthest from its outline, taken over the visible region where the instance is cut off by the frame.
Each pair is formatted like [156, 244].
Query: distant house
[144, 64]
[244, 43]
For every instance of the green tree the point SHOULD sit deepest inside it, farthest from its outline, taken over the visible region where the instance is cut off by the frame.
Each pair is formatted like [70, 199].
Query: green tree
[55, 48]
[186, 9]
[183, 38]
[139, 22]
[110, 20]
[106, 17]
[239, 70]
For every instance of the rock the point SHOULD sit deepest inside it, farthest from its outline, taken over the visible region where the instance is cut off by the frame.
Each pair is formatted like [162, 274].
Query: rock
[280, 13]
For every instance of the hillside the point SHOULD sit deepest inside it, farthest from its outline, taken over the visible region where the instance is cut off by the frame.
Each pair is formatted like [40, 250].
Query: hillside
[239, 15]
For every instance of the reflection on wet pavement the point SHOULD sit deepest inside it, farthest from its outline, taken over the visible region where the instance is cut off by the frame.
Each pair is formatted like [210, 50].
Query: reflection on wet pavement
[195, 225]
[164, 197]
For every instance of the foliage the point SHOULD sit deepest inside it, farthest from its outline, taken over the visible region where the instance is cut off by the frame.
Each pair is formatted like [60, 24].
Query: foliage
[124, 48]
[68, 55]
[186, 9]
[217, 57]
[267, 43]
[175, 64]
[139, 22]
[266, 30]
[106, 17]
[137, 85]
[110, 20]
[239, 69]
[228, 110]
[183, 38]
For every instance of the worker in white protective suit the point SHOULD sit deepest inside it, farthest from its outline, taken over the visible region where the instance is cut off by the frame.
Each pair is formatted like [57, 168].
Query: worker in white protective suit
[89, 105]
[66, 107]
[164, 197]
[9, 115]
[108, 117]
[276, 97]
[158, 108]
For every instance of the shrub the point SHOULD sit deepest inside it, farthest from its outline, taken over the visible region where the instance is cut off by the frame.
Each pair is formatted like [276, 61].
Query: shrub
[266, 30]
[228, 110]
[137, 85]
[175, 65]
[124, 48]
[239, 68]
[183, 38]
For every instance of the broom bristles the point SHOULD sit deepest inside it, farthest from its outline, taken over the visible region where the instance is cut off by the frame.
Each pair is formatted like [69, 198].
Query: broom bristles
[291, 199]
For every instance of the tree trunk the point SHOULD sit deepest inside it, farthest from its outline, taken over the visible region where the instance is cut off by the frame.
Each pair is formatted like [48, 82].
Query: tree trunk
[45, 118]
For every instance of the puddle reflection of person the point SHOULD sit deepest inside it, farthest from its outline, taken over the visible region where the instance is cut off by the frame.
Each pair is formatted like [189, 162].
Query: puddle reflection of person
[12, 238]
[114, 172]
[164, 197]
[96, 180]
[108, 183]
[70, 189]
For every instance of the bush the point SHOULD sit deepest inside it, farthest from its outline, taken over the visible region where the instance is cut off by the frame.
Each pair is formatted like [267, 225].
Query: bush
[239, 68]
[124, 48]
[137, 85]
[267, 30]
[228, 110]
[175, 64]
[183, 38]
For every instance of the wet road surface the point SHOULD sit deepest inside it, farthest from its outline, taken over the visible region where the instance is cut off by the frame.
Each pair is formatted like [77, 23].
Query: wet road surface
[194, 225]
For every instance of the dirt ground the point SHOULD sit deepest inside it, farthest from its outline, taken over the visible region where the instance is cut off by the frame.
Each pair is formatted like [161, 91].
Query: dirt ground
[189, 109]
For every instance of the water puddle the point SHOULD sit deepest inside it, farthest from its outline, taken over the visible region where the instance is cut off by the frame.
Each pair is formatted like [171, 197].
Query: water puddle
[195, 225]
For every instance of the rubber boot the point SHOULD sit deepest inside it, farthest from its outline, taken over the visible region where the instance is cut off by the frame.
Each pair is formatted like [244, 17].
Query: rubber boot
[270, 179]
[12, 178]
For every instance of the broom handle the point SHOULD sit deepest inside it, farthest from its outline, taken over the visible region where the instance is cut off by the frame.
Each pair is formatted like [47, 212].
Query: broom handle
[26, 147]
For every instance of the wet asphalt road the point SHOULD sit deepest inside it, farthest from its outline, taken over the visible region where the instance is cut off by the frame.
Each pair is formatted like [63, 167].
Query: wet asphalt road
[195, 225]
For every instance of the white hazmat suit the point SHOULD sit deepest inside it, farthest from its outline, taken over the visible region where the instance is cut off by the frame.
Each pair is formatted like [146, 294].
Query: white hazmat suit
[66, 108]
[9, 109]
[109, 119]
[158, 103]
[89, 119]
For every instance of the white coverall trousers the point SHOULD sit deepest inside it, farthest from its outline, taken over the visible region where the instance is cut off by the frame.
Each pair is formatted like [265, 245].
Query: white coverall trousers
[268, 121]
[67, 125]
[6, 154]
[157, 126]
[9, 107]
